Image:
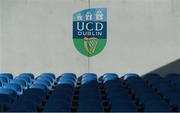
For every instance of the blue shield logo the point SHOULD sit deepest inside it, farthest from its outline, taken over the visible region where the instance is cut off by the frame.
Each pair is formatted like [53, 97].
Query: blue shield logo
[90, 31]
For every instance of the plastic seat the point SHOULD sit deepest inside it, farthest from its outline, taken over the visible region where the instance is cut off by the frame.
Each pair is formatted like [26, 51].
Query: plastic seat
[90, 107]
[110, 76]
[152, 77]
[64, 86]
[35, 91]
[48, 75]
[8, 75]
[69, 76]
[130, 75]
[156, 106]
[15, 87]
[9, 92]
[123, 107]
[44, 82]
[49, 79]
[27, 79]
[5, 101]
[149, 97]
[72, 83]
[53, 107]
[39, 86]
[89, 81]
[35, 100]
[4, 80]
[23, 106]
[21, 82]
[89, 75]
[29, 75]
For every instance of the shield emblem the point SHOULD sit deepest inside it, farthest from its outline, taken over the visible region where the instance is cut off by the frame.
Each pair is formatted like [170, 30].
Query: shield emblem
[90, 31]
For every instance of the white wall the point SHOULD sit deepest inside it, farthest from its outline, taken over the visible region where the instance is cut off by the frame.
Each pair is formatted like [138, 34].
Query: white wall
[36, 36]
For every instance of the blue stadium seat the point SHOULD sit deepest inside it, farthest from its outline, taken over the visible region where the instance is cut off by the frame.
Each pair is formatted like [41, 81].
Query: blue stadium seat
[8, 75]
[152, 77]
[130, 75]
[50, 75]
[124, 107]
[39, 86]
[10, 92]
[156, 106]
[27, 79]
[23, 106]
[29, 75]
[44, 82]
[16, 87]
[70, 82]
[109, 77]
[35, 100]
[89, 95]
[4, 80]
[69, 76]
[118, 97]
[49, 79]
[61, 98]
[94, 106]
[41, 93]
[21, 82]
[5, 101]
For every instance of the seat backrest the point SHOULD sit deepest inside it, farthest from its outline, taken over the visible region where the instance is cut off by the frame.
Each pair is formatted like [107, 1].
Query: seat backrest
[22, 83]
[5, 80]
[52, 75]
[9, 75]
[5, 99]
[28, 74]
[16, 87]
[39, 86]
[26, 78]
[10, 92]
[50, 80]
[35, 91]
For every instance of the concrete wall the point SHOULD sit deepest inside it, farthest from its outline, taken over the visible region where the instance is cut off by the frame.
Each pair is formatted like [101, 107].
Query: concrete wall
[36, 36]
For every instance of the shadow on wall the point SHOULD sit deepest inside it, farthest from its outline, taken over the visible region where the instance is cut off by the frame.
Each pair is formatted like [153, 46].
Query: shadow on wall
[172, 67]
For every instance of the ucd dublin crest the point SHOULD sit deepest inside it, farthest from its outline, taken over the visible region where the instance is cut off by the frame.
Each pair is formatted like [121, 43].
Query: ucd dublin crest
[90, 31]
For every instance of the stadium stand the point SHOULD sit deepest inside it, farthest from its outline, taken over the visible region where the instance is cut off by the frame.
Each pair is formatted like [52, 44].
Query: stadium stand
[88, 93]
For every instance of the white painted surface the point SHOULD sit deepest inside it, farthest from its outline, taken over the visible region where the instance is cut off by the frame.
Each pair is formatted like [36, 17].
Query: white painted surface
[36, 36]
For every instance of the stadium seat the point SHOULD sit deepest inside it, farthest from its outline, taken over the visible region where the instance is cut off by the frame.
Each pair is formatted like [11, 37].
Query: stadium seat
[21, 82]
[39, 86]
[5, 101]
[8, 75]
[44, 82]
[89, 97]
[27, 79]
[16, 87]
[49, 75]
[4, 80]
[90, 93]
[10, 92]
[23, 106]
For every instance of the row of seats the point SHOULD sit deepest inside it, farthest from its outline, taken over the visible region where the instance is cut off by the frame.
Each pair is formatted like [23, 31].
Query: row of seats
[145, 96]
[119, 99]
[130, 93]
[62, 96]
[32, 99]
[89, 95]
[166, 89]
